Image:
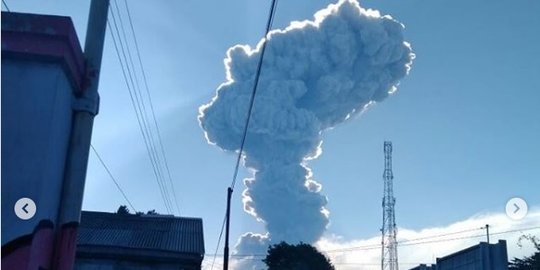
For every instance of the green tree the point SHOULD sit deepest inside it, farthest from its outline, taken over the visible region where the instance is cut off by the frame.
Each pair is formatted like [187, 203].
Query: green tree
[296, 257]
[527, 263]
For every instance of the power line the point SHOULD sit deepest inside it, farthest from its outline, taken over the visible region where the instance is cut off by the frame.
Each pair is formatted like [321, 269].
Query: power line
[140, 104]
[135, 107]
[378, 246]
[432, 241]
[148, 134]
[250, 109]
[219, 241]
[151, 105]
[472, 236]
[254, 92]
[439, 235]
[6, 6]
[112, 178]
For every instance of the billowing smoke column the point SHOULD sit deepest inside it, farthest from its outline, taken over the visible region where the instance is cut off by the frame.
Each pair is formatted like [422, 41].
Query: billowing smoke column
[315, 75]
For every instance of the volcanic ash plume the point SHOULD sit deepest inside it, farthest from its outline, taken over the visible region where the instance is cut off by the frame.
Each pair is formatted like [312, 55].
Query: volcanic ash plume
[315, 75]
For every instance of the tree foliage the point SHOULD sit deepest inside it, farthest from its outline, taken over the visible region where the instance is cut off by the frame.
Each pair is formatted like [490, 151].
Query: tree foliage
[303, 256]
[527, 263]
[123, 210]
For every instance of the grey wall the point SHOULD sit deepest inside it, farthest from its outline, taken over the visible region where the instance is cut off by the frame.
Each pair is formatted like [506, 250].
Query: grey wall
[36, 124]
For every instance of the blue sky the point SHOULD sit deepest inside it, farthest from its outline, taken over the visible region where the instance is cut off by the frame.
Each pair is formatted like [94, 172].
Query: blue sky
[465, 123]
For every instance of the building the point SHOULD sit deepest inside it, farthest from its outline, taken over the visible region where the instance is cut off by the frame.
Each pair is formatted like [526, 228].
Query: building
[122, 241]
[424, 267]
[483, 256]
[43, 75]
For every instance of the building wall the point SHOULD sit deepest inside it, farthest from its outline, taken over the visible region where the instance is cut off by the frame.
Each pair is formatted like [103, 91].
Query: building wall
[483, 256]
[36, 124]
[104, 264]
[424, 267]
[499, 256]
[43, 74]
[480, 257]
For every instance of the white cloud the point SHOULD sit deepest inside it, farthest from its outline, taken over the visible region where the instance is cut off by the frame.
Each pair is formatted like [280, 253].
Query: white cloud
[316, 75]
[425, 245]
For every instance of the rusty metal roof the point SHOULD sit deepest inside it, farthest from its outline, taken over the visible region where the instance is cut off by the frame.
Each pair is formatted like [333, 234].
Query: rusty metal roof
[150, 232]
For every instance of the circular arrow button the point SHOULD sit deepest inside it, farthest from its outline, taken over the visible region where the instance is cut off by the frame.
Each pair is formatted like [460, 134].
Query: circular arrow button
[25, 208]
[516, 208]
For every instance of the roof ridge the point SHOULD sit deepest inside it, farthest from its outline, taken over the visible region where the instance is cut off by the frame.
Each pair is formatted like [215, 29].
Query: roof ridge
[150, 216]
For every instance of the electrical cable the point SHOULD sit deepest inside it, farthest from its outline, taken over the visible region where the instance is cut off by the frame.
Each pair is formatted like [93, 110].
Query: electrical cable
[371, 247]
[376, 246]
[439, 235]
[434, 241]
[151, 105]
[138, 113]
[253, 92]
[6, 6]
[112, 178]
[163, 196]
[219, 242]
[140, 104]
[250, 109]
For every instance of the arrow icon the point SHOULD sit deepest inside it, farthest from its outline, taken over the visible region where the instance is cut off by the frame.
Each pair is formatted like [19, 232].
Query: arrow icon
[516, 208]
[25, 208]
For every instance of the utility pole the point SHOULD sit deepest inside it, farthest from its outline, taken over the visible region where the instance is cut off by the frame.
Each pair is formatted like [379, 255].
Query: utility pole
[487, 232]
[227, 225]
[389, 256]
[85, 107]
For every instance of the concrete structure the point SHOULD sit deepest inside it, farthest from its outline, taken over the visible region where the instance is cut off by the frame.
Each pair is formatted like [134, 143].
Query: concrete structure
[42, 74]
[122, 241]
[49, 100]
[424, 267]
[483, 256]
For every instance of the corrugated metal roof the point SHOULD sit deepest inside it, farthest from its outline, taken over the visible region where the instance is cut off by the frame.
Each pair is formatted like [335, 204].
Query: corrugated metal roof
[167, 233]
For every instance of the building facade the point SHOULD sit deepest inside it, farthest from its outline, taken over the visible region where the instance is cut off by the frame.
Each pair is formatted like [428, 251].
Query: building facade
[43, 70]
[110, 241]
[483, 256]
[424, 267]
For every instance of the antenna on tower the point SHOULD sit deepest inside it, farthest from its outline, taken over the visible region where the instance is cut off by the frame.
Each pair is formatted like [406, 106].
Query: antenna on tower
[389, 258]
